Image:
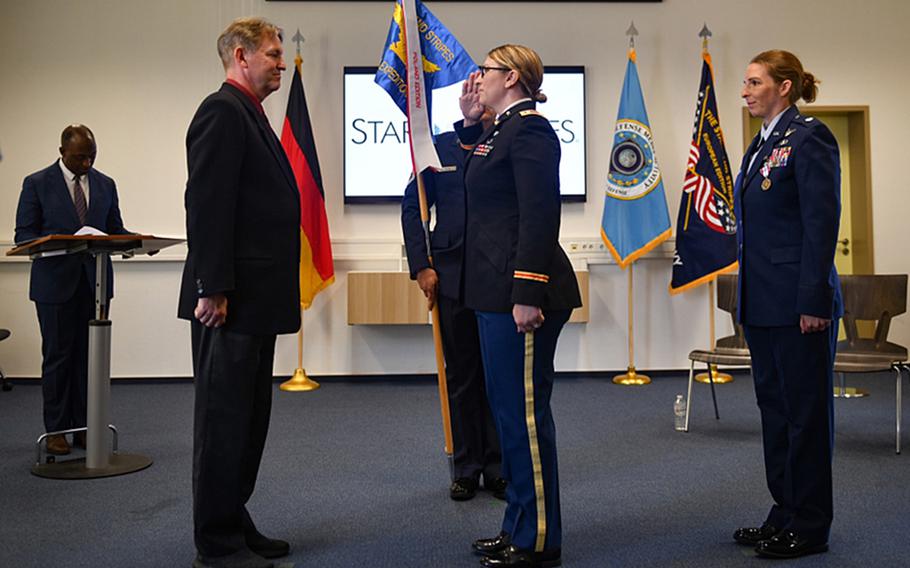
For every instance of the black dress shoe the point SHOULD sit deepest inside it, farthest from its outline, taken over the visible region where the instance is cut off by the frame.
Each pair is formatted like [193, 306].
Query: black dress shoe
[268, 547]
[492, 546]
[514, 557]
[788, 544]
[753, 535]
[463, 488]
[497, 486]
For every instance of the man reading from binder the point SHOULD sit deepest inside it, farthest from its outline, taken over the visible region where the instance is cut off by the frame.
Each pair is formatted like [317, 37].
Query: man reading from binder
[60, 200]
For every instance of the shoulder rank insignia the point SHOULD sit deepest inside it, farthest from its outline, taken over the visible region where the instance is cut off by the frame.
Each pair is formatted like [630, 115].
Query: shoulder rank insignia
[810, 118]
[530, 112]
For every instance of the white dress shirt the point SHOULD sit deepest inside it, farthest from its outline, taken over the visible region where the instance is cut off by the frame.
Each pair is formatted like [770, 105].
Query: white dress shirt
[70, 179]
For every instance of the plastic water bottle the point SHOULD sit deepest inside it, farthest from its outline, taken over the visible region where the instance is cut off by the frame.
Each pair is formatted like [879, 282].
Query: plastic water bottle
[679, 413]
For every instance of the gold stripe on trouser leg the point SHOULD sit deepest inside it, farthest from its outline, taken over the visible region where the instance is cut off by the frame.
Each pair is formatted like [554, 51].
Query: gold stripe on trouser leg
[532, 442]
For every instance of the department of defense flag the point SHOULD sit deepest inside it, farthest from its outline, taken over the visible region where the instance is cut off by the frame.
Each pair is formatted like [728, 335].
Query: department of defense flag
[635, 216]
[705, 226]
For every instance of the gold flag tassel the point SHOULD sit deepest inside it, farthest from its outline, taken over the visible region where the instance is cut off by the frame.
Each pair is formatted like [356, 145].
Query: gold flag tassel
[300, 382]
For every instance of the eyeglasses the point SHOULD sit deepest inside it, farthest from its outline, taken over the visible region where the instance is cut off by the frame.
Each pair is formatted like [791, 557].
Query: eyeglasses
[484, 69]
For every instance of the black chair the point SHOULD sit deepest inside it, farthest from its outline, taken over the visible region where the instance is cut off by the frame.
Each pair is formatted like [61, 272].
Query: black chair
[4, 333]
[877, 298]
[729, 351]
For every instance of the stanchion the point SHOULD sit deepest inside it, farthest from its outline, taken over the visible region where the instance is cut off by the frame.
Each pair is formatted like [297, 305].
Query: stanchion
[718, 377]
[299, 382]
[631, 376]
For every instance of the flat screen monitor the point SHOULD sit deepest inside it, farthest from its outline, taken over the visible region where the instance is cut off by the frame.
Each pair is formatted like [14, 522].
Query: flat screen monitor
[377, 158]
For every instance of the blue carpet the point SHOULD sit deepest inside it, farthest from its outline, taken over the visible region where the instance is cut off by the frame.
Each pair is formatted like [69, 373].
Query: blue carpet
[354, 475]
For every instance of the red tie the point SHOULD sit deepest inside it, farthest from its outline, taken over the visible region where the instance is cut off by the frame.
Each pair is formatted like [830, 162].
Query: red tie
[79, 200]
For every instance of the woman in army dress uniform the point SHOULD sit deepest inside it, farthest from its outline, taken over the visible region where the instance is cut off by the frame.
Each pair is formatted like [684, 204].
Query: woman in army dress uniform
[520, 284]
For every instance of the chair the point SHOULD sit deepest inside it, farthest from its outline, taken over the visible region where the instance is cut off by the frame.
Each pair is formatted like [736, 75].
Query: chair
[878, 298]
[4, 333]
[731, 350]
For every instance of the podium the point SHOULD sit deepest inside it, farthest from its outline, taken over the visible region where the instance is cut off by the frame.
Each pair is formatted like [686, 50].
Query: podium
[102, 455]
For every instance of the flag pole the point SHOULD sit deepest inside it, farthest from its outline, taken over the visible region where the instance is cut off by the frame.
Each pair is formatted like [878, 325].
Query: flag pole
[715, 377]
[631, 376]
[300, 381]
[437, 335]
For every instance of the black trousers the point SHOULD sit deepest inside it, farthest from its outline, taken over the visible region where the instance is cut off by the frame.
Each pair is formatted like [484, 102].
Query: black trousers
[476, 443]
[64, 358]
[794, 387]
[233, 375]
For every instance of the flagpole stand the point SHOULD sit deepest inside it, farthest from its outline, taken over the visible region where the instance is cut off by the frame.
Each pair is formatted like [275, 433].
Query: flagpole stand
[716, 377]
[631, 376]
[300, 382]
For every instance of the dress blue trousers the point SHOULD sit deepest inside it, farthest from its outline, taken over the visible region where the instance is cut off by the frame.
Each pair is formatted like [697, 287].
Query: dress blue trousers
[519, 377]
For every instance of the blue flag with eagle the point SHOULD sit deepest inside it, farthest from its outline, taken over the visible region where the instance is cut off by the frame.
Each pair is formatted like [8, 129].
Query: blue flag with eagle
[635, 217]
[445, 61]
[706, 226]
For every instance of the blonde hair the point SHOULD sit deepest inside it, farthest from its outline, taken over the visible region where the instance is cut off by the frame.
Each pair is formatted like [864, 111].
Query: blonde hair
[782, 66]
[247, 33]
[524, 61]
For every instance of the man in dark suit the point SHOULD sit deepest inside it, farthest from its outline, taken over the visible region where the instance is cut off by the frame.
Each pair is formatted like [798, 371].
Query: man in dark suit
[240, 289]
[59, 200]
[476, 443]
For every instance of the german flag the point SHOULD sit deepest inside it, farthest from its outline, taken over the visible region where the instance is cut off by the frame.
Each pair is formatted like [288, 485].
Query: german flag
[316, 268]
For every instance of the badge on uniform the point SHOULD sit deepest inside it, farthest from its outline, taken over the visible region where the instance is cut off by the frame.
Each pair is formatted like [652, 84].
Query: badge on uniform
[766, 184]
[779, 156]
[483, 149]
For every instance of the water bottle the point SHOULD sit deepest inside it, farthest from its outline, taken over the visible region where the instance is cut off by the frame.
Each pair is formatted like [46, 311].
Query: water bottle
[679, 413]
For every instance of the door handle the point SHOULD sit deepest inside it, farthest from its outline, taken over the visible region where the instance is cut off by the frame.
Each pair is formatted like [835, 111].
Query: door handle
[846, 249]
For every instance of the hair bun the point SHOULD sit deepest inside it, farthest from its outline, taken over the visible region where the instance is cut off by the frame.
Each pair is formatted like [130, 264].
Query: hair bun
[539, 96]
[809, 87]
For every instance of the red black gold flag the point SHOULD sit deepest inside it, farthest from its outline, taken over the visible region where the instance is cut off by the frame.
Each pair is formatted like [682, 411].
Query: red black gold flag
[316, 268]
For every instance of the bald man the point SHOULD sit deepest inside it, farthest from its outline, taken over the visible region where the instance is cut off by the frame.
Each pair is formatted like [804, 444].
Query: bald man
[59, 200]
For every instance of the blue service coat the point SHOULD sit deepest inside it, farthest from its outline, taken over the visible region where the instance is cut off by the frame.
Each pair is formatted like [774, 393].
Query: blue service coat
[512, 252]
[788, 225]
[445, 190]
[46, 208]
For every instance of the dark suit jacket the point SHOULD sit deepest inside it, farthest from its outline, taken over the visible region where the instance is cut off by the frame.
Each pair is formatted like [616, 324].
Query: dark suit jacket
[445, 189]
[46, 208]
[242, 218]
[512, 253]
[788, 232]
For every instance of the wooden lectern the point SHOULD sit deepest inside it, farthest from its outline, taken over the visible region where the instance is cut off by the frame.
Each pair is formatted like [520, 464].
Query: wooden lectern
[102, 458]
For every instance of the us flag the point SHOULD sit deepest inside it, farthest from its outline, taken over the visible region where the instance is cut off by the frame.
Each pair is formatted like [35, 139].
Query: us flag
[705, 226]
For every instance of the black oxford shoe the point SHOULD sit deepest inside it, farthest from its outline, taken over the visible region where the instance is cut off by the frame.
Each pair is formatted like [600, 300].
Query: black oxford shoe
[514, 557]
[751, 536]
[267, 547]
[463, 488]
[788, 544]
[497, 486]
[492, 546]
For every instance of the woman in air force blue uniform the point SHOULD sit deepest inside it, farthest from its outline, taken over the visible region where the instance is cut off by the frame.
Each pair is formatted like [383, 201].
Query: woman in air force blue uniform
[520, 284]
[787, 200]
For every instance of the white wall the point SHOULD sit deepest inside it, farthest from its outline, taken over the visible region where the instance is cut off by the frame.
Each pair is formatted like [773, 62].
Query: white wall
[135, 70]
